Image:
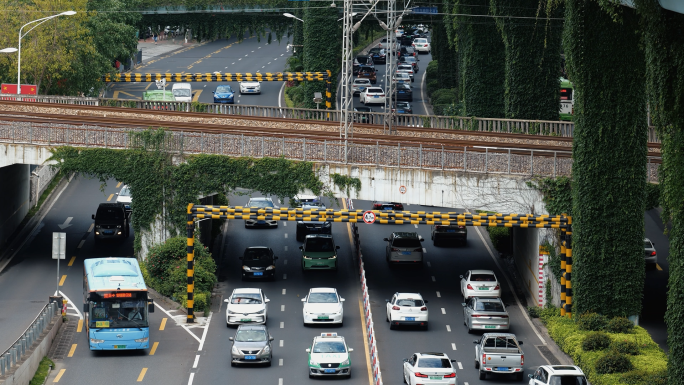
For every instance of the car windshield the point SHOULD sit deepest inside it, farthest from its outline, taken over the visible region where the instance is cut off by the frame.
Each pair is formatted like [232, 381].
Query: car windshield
[329, 347]
[406, 242]
[319, 244]
[403, 87]
[432, 362]
[109, 213]
[408, 59]
[421, 41]
[402, 105]
[362, 59]
[489, 306]
[259, 203]
[483, 277]
[409, 302]
[250, 336]
[374, 90]
[246, 299]
[223, 89]
[361, 81]
[182, 92]
[568, 380]
[323, 298]
[256, 254]
[125, 191]
[647, 245]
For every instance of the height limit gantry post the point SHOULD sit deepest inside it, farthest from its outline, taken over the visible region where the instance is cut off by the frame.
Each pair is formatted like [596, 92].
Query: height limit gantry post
[190, 249]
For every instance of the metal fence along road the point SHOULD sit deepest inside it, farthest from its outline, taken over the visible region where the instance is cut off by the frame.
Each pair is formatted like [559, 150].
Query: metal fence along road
[533, 127]
[492, 160]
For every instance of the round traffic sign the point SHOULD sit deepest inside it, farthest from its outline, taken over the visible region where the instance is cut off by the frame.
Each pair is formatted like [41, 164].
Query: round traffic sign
[369, 217]
[402, 189]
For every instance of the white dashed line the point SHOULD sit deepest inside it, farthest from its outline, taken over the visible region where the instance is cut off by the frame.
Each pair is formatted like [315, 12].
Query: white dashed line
[433, 279]
[465, 383]
[285, 224]
[415, 225]
[280, 381]
[285, 235]
[192, 376]
[280, 362]
[286, 250]
[284, 291]
[453, 346]
[282, 307]
[259, 47]
[429, 265]
[275, 59]
[282, 325]
[194, 364]
[269, 62]
[443, 311]
[284, 276]
[281, 343]
[231, 63]
[460, 366]
[282, 54]
[239, 59]
[252, 51]
[285, 261]
[263, 66]
[439, 295]
[448, 328]
[424, 251]
[81, 244]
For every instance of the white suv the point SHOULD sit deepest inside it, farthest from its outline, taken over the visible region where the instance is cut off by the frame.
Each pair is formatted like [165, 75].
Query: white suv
[407, 309]
[558, 375]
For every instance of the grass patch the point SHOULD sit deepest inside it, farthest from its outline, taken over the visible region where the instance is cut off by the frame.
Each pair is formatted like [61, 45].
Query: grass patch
[42, 372]
[288, 102]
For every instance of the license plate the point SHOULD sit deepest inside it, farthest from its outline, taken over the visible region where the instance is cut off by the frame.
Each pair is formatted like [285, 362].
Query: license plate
[323, 317]
[401, 111]
[119, 346]
[401, 92]
[108, 232]
[410, 318]
[250, 357]
[259, 273]
[451, 231]
[490, 326]
[405, 253]
[502, 369]
[246, 320]
[435, 377]
[330, 370]
[250, 91]
[376, 96]
[483, 288]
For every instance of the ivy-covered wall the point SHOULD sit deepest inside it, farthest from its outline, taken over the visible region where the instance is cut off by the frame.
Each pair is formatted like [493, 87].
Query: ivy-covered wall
[609, 158]
[322, 47]
[481, 59]
[444, 51]
[532, 56]
[664, 47]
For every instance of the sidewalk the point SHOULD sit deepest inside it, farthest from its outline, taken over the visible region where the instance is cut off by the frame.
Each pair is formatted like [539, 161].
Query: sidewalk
[151, 50]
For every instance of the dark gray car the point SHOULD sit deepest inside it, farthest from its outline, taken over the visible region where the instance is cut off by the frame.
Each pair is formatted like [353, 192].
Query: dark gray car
[251, 345]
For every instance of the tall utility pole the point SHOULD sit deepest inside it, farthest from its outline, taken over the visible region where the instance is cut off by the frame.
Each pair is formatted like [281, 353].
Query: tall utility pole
[390, 63]
[346, 121]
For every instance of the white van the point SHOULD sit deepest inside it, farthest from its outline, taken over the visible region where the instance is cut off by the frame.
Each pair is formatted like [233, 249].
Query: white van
[182, 92]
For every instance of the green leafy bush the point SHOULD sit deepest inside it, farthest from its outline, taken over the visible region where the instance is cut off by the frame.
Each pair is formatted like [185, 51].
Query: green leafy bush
[202, 300]
[444, 96]
[162, 256]
[534, 311]
[640, 377]
[500, 237]
[619, 325]
[613, 362]
[432, 70]
[652, 196]
[592, 321]
[625, 347]
[432, 86]
[596, 341]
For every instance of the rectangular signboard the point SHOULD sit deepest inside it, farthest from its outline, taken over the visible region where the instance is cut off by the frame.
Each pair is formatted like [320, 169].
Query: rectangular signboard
[58, 245]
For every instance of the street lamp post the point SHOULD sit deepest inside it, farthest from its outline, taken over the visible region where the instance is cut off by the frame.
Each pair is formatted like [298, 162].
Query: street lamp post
[43, 20]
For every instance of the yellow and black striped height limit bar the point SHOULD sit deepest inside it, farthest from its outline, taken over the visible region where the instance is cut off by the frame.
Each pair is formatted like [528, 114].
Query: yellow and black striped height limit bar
[566, 269]
[325, 76]
[562, 222]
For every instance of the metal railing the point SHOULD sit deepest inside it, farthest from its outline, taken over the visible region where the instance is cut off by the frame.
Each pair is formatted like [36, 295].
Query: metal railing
[22, 345]
[488, 160]
[530, 127]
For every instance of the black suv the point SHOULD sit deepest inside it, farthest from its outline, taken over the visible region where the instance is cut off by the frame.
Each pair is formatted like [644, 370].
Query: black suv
[258, 262]
[362, 60]
[379, 55]
[404, 92]
[111, 221]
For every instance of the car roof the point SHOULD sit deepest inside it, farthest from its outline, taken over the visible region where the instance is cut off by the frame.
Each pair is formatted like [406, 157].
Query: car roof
[647, 240]
[247, 290]
[363, 109]
[563, 369]
[322, 290]
[261, 199]
[361, 80]
[319, 236]
[338, 338]
[481, 299]
[431, 354]
[374, 89]
[482, 272]
[408, 295]
[110, 205]
[401, 234]
[257, 248]
[251, 327]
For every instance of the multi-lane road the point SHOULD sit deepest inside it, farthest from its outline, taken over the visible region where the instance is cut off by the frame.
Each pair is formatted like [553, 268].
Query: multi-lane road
[248, 56]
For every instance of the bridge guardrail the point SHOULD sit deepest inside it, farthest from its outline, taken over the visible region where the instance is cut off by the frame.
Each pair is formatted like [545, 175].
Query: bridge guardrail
[530, 127]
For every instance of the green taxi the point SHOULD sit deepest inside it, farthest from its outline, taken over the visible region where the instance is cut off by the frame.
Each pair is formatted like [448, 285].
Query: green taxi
[319, 252]
[329, 356]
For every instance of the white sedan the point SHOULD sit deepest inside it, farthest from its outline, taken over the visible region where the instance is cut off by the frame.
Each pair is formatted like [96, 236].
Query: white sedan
[250, 87]
[323, 305]
[359, 85]
[421, 45]
[246, 306]
[375, 95]
[429, 368]
[407, 309]
[480, 283]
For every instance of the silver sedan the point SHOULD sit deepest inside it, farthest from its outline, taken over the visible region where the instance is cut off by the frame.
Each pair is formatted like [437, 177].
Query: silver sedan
[485, 314]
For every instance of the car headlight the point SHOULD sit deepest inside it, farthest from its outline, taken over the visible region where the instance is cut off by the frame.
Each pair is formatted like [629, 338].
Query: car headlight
[270, 267]
[345, 362]
[96, 341]
[142, 339]
[246, 268]
[97, 226]
[118, 226]
[235, 350]
[266, 350]
[232, 312]
[312, 362]
[259, 312]
[305, 257]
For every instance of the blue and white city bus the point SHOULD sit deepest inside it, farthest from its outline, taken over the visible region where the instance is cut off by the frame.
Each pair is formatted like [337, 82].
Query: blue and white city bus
[115, 304]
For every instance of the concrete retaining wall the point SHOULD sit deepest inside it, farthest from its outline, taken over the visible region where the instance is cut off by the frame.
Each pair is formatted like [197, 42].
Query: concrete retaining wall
[15, 198]
[24, 372]
[526, 256]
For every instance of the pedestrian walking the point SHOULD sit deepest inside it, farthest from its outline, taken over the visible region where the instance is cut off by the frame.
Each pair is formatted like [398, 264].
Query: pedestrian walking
[155, 38]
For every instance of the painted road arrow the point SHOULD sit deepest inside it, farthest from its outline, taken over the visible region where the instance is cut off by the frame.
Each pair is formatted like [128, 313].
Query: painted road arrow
[66, 223]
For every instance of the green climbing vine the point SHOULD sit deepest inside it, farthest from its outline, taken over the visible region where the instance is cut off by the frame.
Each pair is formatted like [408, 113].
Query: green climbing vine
[346, 183]
[322, 47]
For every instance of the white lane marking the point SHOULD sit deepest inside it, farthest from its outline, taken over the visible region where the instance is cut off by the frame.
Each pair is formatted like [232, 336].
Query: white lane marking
[80, 316]
[280, 362]
[281, 343]
[226, 67]
[443, 311]
[282, 54]
[194, 364]
[269, 62]
[448, 328]
[285, 261]
[239, 59]
[183, 325]
[252, 51]
[192, 376]
[285, 248]
[246, 55]
[282, 307]
[280, 96]
[429, 265]
[453, 346]
[424, 251]
[282, 325]
[510, 287]
[422, 84]
[284, 291]
[275, 59]
[460, 366]
[284, 276]
[204, 333]
[465, 383]
[285, 224]
[415, 225]
[231, 63]
[433, 279]
[285, 235]
[263, 66]
[280, 381]
[80, 244]
[439, 295]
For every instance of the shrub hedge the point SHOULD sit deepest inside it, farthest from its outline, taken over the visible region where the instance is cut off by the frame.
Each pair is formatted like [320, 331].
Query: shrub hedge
[596, 341]
[649, 367]
[592, 322]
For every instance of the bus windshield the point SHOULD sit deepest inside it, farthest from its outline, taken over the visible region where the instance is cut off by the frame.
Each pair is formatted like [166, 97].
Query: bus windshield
[122, 312]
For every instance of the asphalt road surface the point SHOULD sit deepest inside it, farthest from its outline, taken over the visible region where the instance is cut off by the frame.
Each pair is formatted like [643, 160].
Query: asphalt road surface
[225, 56]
